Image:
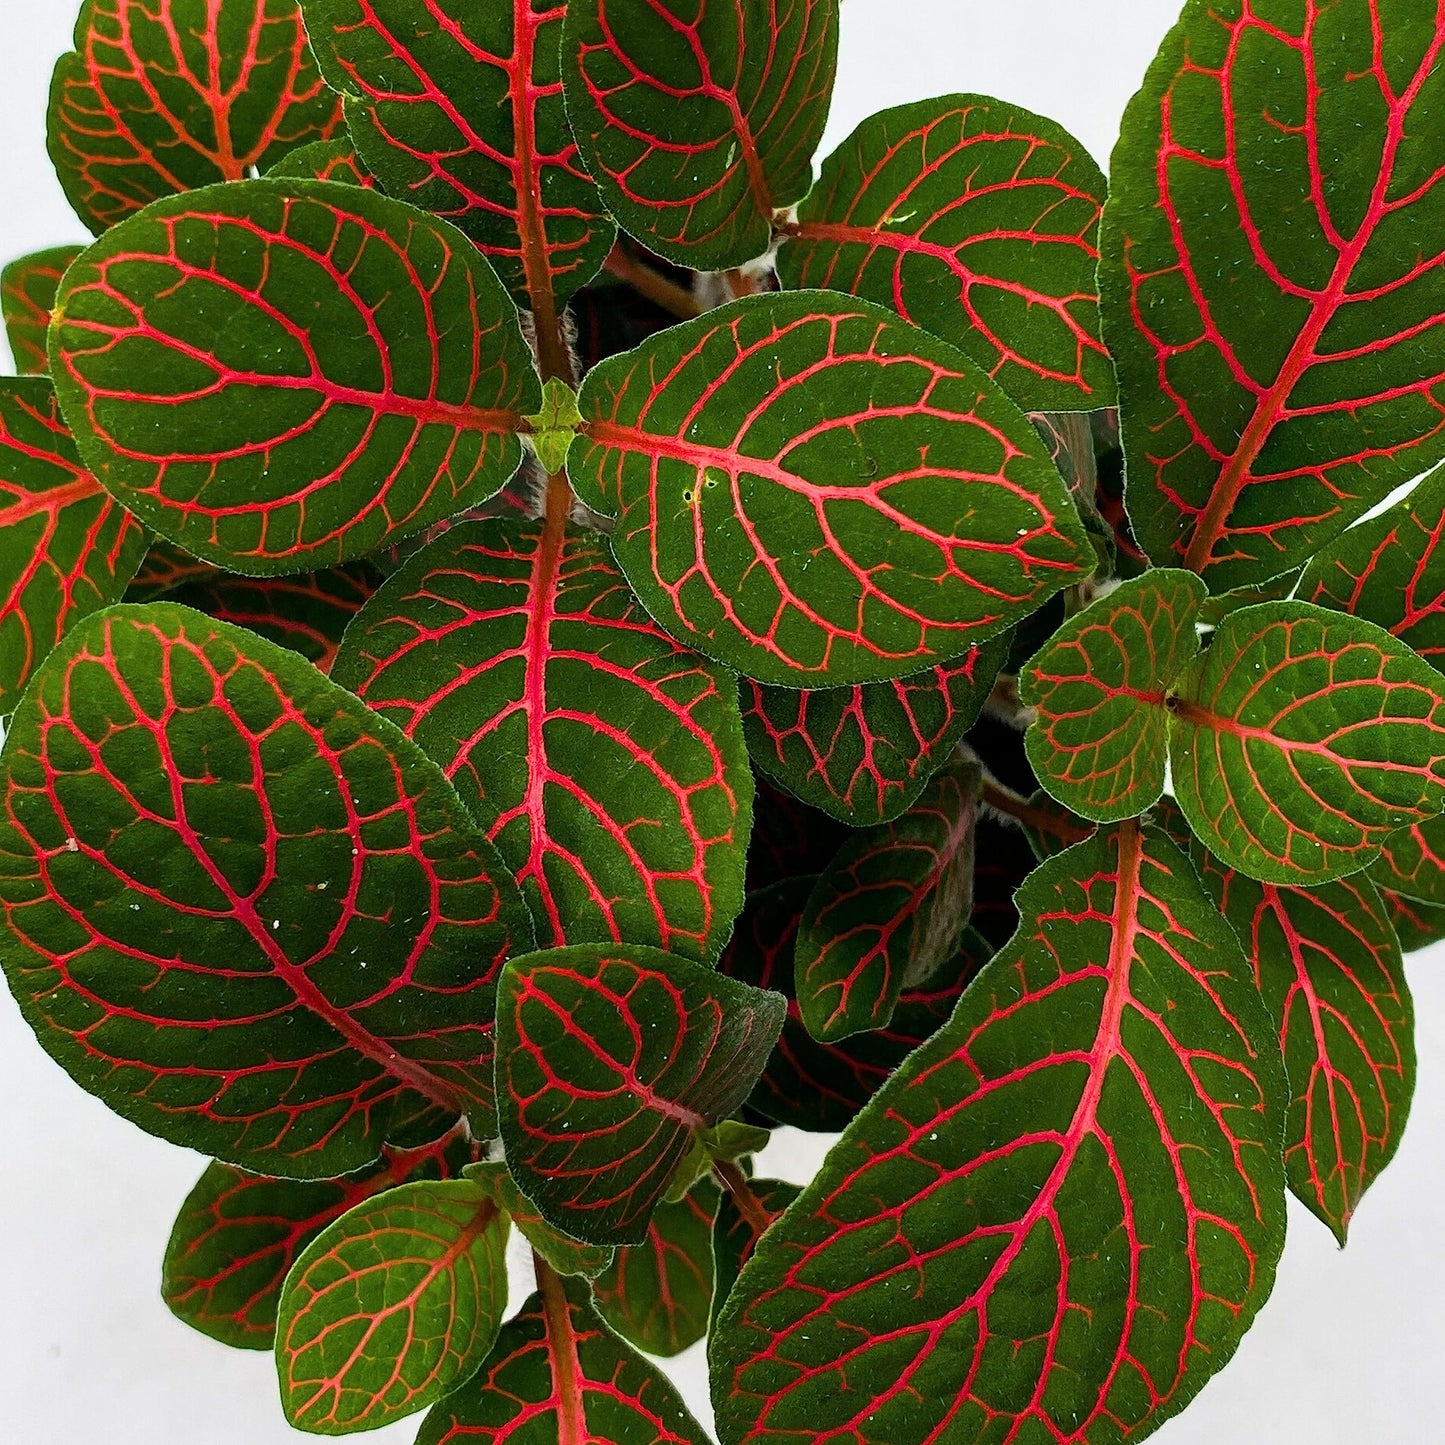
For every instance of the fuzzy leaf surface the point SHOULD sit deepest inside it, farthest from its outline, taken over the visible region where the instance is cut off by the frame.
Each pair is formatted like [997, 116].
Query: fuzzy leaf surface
[978, 221]
[161, 96]
[27, 293]
[392, 1306]
[699, 119]
[1100, 744]
[811, 490]
[279, 375]
[1059, 1217]
[238, 907]
[1274, 278]
[1302, 739]
[609, 1061]
[605, 760]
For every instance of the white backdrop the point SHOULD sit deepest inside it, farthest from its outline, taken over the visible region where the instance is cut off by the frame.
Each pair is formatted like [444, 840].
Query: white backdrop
[1346, 1353]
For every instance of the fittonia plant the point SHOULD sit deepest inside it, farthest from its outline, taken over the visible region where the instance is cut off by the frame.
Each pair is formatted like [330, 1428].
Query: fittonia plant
[505, 569]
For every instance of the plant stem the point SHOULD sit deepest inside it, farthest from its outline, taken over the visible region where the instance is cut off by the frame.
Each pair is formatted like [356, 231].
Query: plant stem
[749, 1205]
[677, 300]
[1005, 800]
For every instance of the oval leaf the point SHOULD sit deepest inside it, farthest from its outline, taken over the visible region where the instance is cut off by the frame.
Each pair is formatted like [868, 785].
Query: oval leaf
[1274, 279]
[1059, 1217]
[68, 549]
[565, 1255]
[27, 293]
[326, 160]
[1302, 739]
[609, 1061]
[279, 375]
[457, 107]
[162, 96]
[605, 761]
[699, 120]
[391, 1307]
[1100, 741]
[978, 221]
[914, 515]
[1412, 861]
[240, 908]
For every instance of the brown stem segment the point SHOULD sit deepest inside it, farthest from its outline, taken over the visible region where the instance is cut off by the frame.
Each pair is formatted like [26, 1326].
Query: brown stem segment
[749, 1205]
[677, 300]
[1005, 800]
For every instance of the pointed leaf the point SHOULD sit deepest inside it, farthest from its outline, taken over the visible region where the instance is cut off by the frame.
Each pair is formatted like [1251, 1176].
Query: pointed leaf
[865, 753]
[27, 292]
[1100, 744]
[457, 107]
[565, 1255]
[279, 375]
[605, 760]
[657, 1294]
[161, 96]
[557, 1373]
[326, 160]
[238, 1234]
[240, 908]
[699, 120]
[391, 1307]
[978, 221]
[68, 548]
[609, 1060]
[1059, 1217]
[1302, 739]
[1274, 278]
[889, 912]
[914, 515]
[738, 1228]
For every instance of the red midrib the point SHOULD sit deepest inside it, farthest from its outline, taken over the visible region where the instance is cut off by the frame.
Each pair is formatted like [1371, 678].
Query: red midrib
[55, 500]
[562, 1352]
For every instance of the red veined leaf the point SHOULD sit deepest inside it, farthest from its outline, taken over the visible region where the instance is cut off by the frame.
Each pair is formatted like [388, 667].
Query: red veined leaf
[978, 221]
[1412, 862]
[604, 760]
[1002, 858]
[1416, 924]
[889, 912]
[1059, 1217]
[240, 908]
[610, 1059]
[562, 1253]
[699, 121]
[1099, 688]
[821, 1087]
[915, 514]
[1275, 311]
[1302, 739]
[742, 1220]
[163, 569]
[865, 753]
[68, 550]
[1390, 570]
[1328, 967]
[161, 96]
[326, 160]
[557, 1373]
[458, 108]
[392, 1306]
[789, 838]
[657, 1294]
[279, 375]
[238, 1234]
[27, 292]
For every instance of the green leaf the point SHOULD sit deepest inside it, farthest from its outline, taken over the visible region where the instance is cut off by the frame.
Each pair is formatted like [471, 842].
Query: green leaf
[557, 1373]
[915, 515]
[657, 1294]
[1059, 1217]
[610, 1059]
[865, 753]
[238, 1234]
[605, 760]
[240, 908]
[566, 1256]
[978, 221]
[889, 912]
[68, 549]
[279, 375]
[1416, 925]
[1274, 279]
[162, 96]
[391, 1307]
[1412, 861]
[27, 292]
[326, 160]
[554, 427]
[699, 120]
[1100, 742]
[739, 1226]
[1302, 739]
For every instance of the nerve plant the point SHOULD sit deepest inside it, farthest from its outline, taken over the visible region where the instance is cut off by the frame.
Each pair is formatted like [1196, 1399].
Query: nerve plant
[543, 641]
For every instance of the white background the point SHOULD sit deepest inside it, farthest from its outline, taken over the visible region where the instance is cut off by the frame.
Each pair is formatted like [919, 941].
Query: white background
[1348, 1351]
